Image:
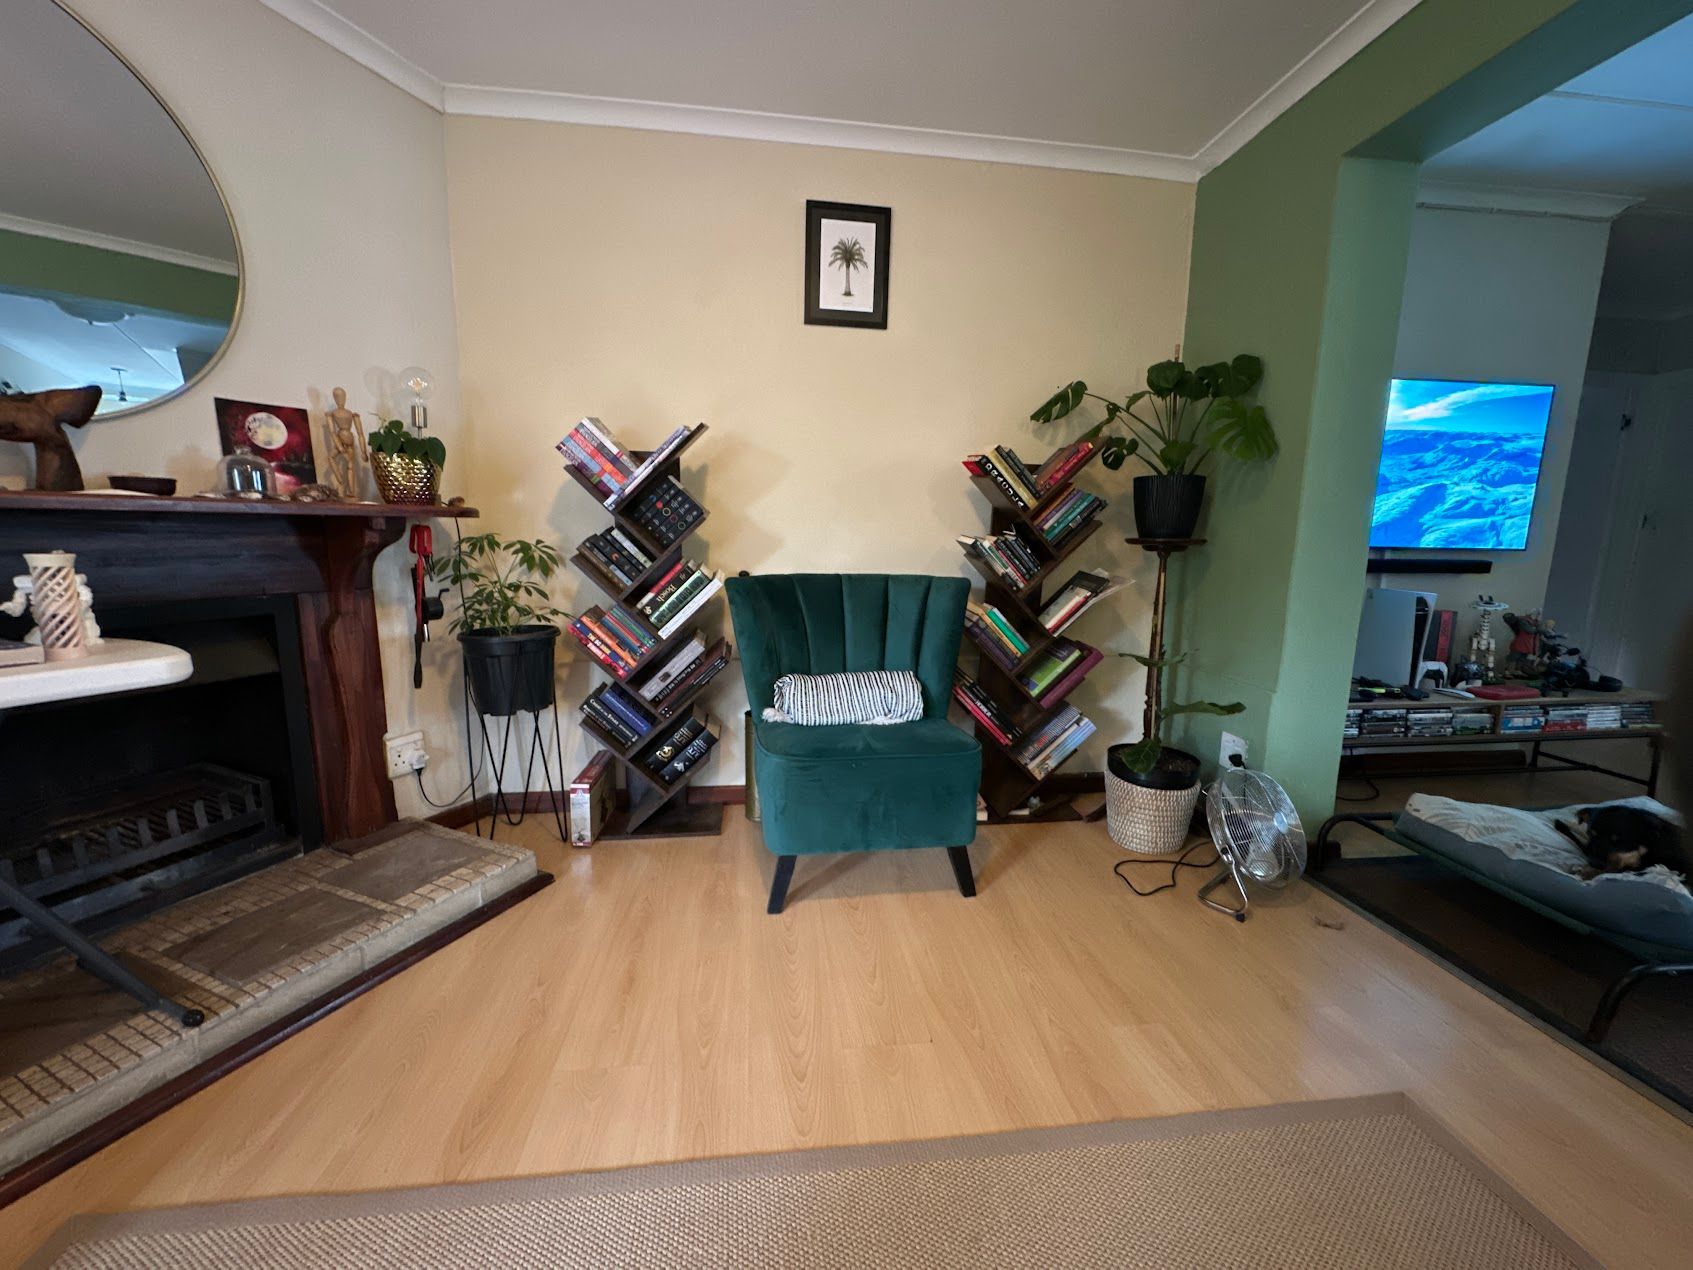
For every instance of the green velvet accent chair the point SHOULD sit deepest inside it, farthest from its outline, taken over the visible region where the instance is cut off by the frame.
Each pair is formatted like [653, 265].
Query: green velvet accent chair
[870, 787]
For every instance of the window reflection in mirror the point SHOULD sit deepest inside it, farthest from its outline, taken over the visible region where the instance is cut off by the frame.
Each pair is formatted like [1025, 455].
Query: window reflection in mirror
[118, 262]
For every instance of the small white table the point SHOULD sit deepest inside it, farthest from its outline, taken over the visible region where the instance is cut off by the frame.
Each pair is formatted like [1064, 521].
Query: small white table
[117, 665]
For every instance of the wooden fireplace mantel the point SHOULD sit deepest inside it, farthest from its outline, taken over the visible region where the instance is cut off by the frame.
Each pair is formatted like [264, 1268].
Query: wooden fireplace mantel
[149, 550]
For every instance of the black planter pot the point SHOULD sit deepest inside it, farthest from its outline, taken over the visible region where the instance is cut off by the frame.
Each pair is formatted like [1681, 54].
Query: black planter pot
[510, 671]
[1175, 769]
[1168, 506]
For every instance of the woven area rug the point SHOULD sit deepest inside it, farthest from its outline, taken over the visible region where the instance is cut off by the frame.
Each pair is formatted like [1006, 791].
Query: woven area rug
[1358, 1182]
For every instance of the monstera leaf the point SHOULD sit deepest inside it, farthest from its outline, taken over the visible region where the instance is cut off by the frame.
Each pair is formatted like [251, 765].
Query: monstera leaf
[1163, 377]
[1117, 450]
[1241, 431]
[1060, 403]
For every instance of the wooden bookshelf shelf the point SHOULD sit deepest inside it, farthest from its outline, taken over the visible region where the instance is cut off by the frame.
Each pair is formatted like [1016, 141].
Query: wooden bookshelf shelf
[1007, 783]
[649, 804]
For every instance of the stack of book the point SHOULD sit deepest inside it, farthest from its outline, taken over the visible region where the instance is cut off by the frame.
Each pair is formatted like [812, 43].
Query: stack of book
[590, 800]
[699, 669]
[615, 637]
[997, 637]
[618, 554]
[673, 668]
[1079, 594]
[1006, 555]
[983, 708]
[595, 453]
[1638, 714]
[666, 512]
[677, 595]
[1430, 722]
[620, 714]
[1472, 722]
[647, 466]
[1522, 719]
[1053, 742]
[1354, 721]
[1583, 717]
[689, 743]
[1025, 486]
[1067, 515]
[1383, 721]
[1058, 669]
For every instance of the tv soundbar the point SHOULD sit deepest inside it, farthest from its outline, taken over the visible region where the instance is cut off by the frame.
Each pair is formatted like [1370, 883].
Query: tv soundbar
[1427, 564]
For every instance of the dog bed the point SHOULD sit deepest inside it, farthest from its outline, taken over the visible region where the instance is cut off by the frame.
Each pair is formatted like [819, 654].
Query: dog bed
[1522, 852]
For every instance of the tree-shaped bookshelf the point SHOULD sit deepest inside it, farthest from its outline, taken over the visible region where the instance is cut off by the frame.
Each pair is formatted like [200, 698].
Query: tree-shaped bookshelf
[644, 639]
[1017, 698]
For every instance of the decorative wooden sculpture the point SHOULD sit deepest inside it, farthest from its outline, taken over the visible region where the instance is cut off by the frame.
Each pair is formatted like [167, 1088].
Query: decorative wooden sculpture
[59, 600]
[40, 419]
[347, 446]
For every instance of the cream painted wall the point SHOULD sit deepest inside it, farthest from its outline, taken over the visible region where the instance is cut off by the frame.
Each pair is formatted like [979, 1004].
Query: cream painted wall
[653, 279]
[337, 184]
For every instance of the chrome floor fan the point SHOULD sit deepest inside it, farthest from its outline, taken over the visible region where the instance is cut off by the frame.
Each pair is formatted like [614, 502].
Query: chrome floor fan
[1258, 835]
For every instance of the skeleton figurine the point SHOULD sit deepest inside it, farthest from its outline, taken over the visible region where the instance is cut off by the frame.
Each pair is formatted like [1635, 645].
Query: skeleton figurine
[23, 595]
[347, 446]
[1481, 643]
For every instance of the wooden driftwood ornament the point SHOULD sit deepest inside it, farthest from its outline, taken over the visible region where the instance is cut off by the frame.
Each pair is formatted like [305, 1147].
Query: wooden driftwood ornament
[40, 419]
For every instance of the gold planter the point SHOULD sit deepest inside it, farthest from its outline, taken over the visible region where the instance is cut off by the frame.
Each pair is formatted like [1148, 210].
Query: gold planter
[403, 480]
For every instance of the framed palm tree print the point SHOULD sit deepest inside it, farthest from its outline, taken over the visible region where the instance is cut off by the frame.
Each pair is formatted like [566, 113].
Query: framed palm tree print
[846, 264]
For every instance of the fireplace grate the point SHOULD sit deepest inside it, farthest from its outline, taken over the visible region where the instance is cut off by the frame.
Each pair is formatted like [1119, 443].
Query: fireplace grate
[122, 843]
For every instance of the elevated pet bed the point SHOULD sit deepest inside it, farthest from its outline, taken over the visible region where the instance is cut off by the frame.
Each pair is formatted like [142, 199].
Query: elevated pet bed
[1522, 856]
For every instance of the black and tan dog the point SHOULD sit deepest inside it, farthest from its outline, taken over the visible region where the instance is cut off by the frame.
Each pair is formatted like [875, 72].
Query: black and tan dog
[1619, 839]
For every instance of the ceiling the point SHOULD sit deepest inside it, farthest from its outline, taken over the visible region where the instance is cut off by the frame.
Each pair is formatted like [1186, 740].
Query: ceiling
[86, 148]
[1623, 128]
[1158, 87]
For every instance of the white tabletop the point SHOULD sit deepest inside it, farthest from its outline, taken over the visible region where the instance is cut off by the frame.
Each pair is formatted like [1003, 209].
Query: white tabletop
[117, 665]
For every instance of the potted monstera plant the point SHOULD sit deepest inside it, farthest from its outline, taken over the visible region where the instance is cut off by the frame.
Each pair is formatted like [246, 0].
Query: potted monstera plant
[1150, 786]
[1175, 425]
[506, 622]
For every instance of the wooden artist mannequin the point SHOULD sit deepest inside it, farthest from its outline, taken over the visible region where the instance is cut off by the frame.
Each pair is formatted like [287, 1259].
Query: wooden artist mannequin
[347, 445]
[40, 419]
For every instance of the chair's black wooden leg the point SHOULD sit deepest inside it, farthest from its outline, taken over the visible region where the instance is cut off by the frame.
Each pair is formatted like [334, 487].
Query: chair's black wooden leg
[779, 885]
[960, 857]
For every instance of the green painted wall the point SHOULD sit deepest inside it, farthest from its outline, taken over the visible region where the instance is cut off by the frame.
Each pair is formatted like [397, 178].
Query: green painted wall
[1298, 255]
[32, 263]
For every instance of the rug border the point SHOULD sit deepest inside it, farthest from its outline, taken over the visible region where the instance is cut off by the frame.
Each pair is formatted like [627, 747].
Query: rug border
[318, 1207]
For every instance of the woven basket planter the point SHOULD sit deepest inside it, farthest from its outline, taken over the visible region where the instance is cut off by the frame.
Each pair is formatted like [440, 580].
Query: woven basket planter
[403, 480]
[1146, 819]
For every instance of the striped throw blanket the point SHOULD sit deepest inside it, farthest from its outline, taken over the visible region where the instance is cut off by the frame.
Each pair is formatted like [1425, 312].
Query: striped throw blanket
[858, 696]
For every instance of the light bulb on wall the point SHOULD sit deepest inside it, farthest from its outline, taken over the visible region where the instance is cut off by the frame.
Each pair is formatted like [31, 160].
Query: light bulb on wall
[419, 383]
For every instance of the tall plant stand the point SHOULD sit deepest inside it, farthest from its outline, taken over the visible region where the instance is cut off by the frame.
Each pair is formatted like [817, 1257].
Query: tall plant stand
[513, 806]
[1163, 548]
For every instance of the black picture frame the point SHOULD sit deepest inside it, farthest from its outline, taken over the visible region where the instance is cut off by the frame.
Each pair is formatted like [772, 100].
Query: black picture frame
[816, 314]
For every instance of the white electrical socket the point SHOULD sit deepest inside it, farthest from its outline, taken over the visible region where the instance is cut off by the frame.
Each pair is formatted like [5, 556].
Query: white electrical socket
[405, 754]
[1231, 746]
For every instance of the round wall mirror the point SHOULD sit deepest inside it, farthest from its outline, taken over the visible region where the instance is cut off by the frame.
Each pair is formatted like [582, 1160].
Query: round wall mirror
[119, 264]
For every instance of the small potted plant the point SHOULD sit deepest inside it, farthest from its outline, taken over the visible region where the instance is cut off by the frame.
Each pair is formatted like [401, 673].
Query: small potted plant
[1151, 787]
[1175, 424]
[506, 623]
[407, 467]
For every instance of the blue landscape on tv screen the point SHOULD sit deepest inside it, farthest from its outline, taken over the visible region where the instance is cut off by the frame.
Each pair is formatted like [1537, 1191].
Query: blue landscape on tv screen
[1459, 463]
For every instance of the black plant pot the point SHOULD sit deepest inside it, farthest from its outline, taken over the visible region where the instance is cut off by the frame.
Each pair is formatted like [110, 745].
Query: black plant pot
[1168, 506]
[510, 670]
[1175, 769]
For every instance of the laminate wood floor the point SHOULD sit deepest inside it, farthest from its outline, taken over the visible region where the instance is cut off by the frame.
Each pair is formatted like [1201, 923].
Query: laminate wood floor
[646, 1009]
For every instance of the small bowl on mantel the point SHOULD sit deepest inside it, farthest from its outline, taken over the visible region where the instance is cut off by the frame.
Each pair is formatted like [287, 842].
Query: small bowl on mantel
[162, 485]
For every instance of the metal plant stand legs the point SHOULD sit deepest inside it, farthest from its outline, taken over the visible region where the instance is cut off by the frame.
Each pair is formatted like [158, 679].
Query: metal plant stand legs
[94, 959]
[499, 763]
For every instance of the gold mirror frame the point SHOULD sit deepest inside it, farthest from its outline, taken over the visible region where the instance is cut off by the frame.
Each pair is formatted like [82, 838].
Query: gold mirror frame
[228, 215]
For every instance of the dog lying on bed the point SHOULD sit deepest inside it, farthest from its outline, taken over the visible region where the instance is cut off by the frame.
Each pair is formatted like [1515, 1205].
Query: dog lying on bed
[1626, 840]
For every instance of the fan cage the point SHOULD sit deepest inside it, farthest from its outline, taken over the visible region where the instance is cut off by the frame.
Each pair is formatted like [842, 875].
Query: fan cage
[1252, 819]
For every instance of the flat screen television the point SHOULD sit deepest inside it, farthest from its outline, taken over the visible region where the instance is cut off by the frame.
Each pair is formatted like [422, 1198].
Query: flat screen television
[1459, 464]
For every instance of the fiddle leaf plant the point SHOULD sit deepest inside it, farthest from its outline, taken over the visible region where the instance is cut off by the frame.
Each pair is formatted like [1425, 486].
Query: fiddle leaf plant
[1180, 419]
[500, 583]
[1142, 756]
[393, 438]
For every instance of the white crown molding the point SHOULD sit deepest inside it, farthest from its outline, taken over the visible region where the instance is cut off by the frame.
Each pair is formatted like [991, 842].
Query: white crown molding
[1522, 201]
[110, 242]
[757, 125]
[1341, 47]
[360, 45]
